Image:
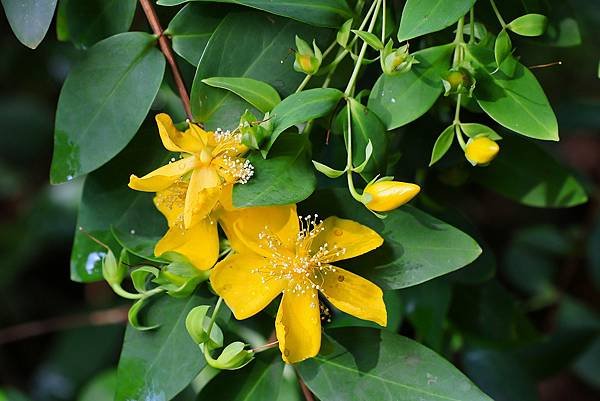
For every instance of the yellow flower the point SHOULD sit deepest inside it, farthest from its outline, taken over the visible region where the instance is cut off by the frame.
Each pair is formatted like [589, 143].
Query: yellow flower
[388, 195]
[209, 161]
[481, 150]
[277, 252]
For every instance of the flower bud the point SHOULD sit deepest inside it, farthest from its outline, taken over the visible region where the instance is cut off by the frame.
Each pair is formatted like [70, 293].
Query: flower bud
[113, 272]
[197, 324]
[254, 132]
[481, 150]
[388, 195]
[234, 356]
[307, 60]
[458, 80]
[396, 61]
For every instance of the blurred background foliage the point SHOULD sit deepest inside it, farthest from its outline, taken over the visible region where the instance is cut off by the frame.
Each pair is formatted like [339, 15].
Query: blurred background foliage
[525, 316]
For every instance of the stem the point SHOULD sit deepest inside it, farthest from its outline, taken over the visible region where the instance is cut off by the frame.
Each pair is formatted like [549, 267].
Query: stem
[383, 24]
[265, 347]
[363, 50]
[213, 318]
[308, 396]
[500, 19]
[349, 163]
[165, 48]
[472, 25]
[457, 110]
[125, 294]
[40, 327]
[456, 122]
[303, 83]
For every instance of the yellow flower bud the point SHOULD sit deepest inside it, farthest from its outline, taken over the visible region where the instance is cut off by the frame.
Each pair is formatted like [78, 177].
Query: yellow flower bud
[481, 150]
[388, 195]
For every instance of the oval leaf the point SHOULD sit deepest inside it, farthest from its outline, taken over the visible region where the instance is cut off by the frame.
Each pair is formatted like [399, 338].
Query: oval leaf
[420, 17]
[259, 94]
[368, 128]
[400, 99]
[518, 103]
[502, 47]
[368, 364]
[285, 177]
[442, 144]
[527, 174]
[103, 103]
[29, 19]
[529, 25]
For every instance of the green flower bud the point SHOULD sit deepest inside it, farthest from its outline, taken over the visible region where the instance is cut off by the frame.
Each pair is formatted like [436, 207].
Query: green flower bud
[197, 324]
[234, 356]
[254, 133]
[396, 61]
[458, 80]
[113, 272]
[307, 60]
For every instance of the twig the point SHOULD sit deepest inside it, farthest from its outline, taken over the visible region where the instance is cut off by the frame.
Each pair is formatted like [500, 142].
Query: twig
[165, 48]
[39, 327]
[308, 396]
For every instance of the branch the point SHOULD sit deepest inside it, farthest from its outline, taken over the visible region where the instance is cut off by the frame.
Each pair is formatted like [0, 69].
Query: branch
[165, 48]
[308, 396]
[39, 327]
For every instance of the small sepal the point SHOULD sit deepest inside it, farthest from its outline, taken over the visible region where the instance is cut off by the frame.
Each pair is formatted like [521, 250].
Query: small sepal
[459, 80]
[233, 357]
[396, 61]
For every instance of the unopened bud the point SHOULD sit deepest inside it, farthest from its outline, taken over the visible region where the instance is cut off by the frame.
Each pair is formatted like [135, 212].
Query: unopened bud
[396, 61]
[481, 150]
[388, 195]
[459, 80]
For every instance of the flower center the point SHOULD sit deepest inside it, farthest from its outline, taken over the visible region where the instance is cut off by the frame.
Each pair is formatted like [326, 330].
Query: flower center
[305, 265]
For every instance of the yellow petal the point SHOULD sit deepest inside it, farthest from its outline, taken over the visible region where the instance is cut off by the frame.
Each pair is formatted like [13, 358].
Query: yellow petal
[238, 279]
[175, 140]
[388, 195]
[199, 133]
[199, 244]
[298, 326]
[162, 177]
[355, 295]
[354, 238]
[202, 194]
[170, 202]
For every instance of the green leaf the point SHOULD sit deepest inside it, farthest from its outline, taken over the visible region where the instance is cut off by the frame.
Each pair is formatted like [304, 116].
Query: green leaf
[259, 381]
[527, 174]
[286, 176]
[259, 94]
[302, 107]
[29, 19]
[86, 22]
[518, 103]
[103, 103]
[502, 47]
[106, 201]
[366, 126]
[442, 144]
[164, 361]
[367, 364]
[191, 29]
[420, 17]
[417, 247]
[232, 52]
[473, 130]
[400, 99]
[326, 13]
[100, 388]
[370, 39]
[529, 25]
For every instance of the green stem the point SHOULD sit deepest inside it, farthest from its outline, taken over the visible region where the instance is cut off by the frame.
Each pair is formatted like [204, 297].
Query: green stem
[213, 318]
[303, 83]
[361, 54]
[472, 25]
[456, 122]
[500, 19]
[125, 294]
[349, 163]
[383, 24]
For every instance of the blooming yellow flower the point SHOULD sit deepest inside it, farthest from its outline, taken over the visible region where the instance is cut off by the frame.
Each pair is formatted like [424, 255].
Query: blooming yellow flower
[209, 161]
[481, 150]
[277, 252]
[389, 195]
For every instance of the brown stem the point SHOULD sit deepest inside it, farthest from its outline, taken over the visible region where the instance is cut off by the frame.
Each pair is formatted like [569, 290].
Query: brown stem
[165, 48]
[39, 327]
[308, 396]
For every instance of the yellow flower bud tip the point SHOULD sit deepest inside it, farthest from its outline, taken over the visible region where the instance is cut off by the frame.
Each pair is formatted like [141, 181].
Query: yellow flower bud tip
[481, 150]
[305, 62]
[388, 195]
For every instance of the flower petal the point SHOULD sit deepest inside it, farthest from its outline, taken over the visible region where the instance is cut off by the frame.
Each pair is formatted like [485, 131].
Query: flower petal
[202, 194]
[170, 202]
[162, 177]
[175, 140]
[199, 244]
[298, 326]
[349, 235]
[355, 295]
[238, 280]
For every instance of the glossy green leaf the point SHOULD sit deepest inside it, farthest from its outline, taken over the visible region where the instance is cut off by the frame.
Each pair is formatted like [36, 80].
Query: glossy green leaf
[327, 13]
[417, 247]
[286, 176]
[160, 363]
[103, 103]
[370, 38]
[259, 94]
[366, 126]
[420, 17]
[502, 47]
[107, 201]
[529, 25]
[29, 19]
[516, 102]
[259, 381]
[442, 144]
[302, 107]
[100, 388]
[86, 22]
[527, 174]
[367, 364]
[191, 29]
[400, 99]
[232, 52]
[473, 130]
